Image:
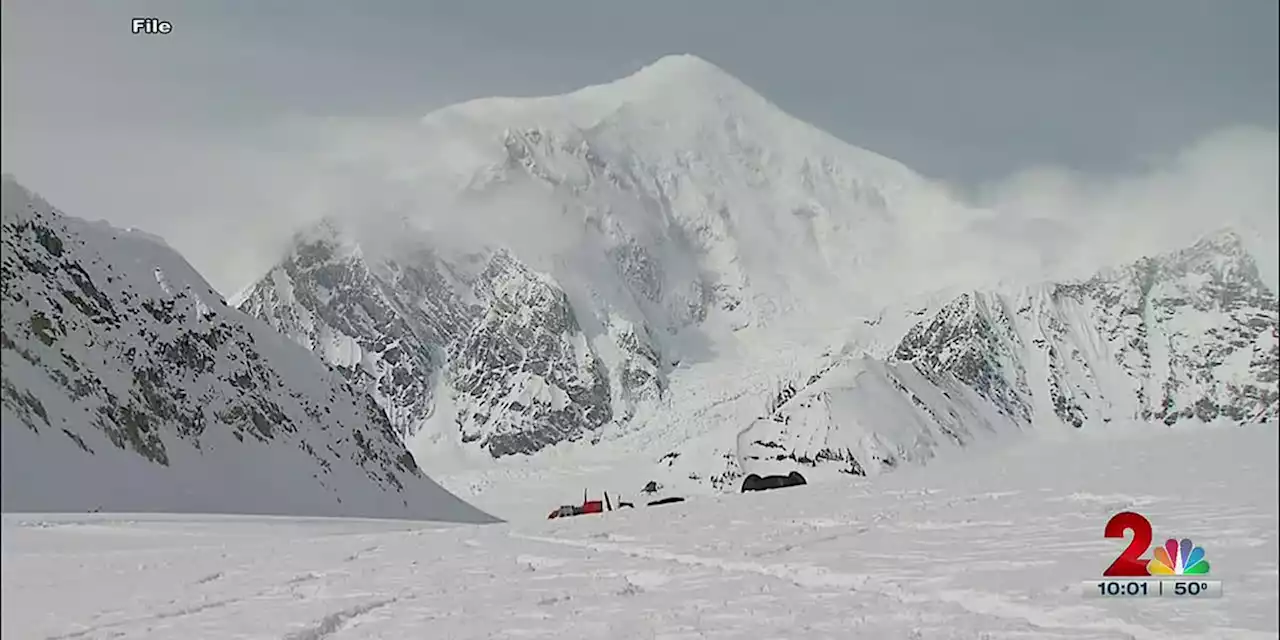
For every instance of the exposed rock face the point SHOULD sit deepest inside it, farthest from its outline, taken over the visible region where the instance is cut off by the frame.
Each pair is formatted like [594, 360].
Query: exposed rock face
[385, 326]
[503, 342]
[525, 373]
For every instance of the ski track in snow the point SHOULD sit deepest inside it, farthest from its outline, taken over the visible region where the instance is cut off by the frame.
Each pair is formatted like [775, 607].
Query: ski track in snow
[982, 546]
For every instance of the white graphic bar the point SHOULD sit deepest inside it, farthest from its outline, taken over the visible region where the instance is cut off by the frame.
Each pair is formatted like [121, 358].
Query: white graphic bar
[1122, 588]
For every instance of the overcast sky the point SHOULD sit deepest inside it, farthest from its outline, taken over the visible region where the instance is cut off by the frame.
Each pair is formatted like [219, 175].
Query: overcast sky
[175, 133]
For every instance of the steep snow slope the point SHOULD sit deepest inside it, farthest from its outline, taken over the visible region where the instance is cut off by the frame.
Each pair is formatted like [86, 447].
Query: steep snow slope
[982, 546]
[129, 384]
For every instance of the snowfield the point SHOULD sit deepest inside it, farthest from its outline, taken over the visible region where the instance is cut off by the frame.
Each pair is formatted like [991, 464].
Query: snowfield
[992, 544]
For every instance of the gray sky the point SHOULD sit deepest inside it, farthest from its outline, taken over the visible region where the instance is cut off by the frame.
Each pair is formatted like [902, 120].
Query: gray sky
[177, 133]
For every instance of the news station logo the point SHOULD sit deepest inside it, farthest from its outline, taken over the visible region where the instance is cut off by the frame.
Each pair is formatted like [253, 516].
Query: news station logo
[1179, 559]
[1174, 558]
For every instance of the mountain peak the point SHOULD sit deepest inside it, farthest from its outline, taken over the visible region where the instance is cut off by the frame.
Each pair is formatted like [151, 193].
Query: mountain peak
[18, 200]
[673, 83]
[1221, 241]
[1213, 251]
[683, 63]
[684, 70]
[678, 81]
[676, 105]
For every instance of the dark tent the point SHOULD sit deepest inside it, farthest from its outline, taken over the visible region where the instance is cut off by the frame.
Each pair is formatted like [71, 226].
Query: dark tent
[755, 482]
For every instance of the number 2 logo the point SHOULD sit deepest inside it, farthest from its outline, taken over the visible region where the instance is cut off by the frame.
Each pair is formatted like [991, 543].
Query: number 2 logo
[1130, 561]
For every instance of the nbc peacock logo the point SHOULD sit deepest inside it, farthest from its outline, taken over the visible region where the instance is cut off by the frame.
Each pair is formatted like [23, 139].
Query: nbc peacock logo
[1178, 558]
[1174, 558]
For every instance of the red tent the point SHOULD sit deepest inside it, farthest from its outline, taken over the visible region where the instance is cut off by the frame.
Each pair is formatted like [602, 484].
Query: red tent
[588, 506]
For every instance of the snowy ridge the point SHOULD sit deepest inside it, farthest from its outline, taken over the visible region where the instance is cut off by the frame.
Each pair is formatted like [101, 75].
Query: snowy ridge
[130, 385]
[1191, 335]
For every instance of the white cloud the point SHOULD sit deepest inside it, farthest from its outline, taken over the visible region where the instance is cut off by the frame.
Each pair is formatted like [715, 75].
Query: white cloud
[1227, 179]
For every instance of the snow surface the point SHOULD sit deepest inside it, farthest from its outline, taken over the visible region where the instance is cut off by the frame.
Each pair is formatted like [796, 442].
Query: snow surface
[991, 545]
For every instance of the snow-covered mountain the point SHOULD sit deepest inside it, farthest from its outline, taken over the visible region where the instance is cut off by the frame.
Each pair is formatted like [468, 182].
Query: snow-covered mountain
[658, 268]
[1187, 335]
[1190, 336]
[130, 385]
[570, 251]
[517, 359]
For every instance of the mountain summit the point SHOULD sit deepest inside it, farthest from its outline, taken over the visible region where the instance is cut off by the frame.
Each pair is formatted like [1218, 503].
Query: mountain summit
[675, 110]
[680, 81]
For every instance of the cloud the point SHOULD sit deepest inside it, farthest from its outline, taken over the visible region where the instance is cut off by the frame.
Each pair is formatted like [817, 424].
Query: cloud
[179, 134]
[1078, 222]
[230, 203]
[1041, 223]
[377, 173]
